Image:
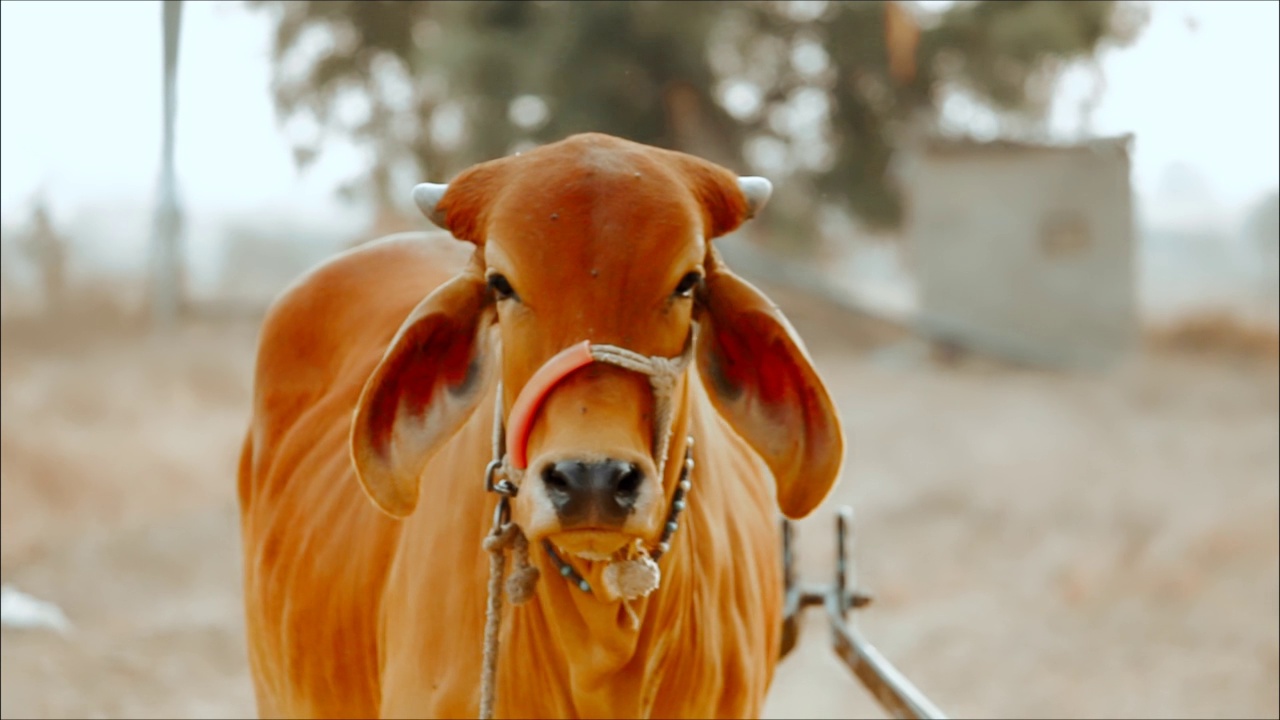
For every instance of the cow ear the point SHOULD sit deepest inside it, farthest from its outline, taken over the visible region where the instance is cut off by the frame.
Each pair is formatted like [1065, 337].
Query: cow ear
[426, 385]
[761, 379]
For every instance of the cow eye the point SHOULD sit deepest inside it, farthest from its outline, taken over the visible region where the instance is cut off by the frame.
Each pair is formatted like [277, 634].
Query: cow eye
[500, 286]
[688, 283]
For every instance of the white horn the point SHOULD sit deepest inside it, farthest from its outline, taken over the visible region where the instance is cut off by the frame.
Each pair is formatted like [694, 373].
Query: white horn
[427, 196]
[757, 191]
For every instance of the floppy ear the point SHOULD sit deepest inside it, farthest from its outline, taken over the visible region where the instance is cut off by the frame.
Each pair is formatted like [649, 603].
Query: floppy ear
[424, 388]
[762, 381]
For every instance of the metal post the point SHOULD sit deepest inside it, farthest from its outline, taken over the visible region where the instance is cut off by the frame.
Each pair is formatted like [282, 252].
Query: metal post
[166, 259]
[891, 688]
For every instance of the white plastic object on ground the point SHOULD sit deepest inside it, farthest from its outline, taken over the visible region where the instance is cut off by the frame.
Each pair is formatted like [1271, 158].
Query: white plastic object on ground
[20, 610]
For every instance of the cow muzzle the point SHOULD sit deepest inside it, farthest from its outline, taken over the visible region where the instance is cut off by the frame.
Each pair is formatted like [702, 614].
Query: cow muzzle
[595, 503]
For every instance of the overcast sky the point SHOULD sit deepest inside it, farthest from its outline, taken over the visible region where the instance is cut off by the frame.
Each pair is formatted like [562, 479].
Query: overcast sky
[80, 106]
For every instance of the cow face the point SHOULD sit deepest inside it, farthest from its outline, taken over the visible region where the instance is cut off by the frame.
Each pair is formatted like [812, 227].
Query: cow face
[607, 241]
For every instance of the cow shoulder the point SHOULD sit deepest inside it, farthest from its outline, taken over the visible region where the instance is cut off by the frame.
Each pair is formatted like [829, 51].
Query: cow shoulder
[325, 332]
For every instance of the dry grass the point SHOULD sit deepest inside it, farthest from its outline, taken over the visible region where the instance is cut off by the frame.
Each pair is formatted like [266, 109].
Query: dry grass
[1218, 333]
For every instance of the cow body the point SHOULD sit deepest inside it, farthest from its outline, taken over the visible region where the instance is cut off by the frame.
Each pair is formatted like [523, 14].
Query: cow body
[352, 612]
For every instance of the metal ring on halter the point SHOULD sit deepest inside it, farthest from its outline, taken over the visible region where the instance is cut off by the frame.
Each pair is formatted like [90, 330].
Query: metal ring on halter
[501, 513]
[503, 487]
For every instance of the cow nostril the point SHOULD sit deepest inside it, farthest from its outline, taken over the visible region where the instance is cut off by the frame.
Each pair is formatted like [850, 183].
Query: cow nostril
[629, 484]
[578, 488]
[555, 479]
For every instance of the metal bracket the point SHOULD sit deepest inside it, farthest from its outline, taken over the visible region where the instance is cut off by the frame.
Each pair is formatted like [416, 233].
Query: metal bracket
[886, 684]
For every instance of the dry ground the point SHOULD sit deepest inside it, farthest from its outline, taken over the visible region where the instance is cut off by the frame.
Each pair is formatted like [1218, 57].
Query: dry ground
[1040, 545]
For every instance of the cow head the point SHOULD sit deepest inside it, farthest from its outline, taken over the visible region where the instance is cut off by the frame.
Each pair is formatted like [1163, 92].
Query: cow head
[597, 239]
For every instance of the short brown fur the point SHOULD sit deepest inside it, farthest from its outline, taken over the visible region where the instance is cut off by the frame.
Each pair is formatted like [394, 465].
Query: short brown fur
[374, 388]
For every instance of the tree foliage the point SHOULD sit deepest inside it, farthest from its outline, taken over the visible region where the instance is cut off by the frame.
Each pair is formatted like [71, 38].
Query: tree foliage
[800, 91]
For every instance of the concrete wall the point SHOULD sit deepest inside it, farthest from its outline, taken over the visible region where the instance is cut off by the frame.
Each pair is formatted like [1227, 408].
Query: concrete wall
[1026, 251]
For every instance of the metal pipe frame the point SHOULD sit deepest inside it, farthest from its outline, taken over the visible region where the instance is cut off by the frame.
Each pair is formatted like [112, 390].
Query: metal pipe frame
[890, 688]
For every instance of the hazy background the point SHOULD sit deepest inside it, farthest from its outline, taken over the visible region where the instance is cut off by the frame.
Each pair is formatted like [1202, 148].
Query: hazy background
[1043, 540]
[1198, 86]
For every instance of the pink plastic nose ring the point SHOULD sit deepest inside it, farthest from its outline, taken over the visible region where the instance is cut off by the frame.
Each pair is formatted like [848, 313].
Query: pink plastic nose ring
[520, 424]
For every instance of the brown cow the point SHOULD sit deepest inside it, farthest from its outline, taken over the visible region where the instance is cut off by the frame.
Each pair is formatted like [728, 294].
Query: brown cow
[381, 376]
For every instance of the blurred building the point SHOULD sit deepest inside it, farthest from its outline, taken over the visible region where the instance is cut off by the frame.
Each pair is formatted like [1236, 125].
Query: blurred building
[1025, 250]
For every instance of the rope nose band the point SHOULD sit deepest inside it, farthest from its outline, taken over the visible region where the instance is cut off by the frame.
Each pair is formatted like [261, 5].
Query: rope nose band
[662, 372]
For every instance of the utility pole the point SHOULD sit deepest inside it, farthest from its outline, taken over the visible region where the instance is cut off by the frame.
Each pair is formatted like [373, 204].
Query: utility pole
[166, 271]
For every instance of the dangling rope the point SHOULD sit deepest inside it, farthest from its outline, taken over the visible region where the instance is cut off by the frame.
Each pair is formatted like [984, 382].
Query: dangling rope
[506, 535]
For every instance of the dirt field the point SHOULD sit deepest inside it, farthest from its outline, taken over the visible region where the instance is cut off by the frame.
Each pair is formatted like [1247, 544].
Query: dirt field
[1039, 545]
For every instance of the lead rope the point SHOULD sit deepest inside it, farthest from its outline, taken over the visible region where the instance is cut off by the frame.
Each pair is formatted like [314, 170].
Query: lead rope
[506, 534]
[519, 586]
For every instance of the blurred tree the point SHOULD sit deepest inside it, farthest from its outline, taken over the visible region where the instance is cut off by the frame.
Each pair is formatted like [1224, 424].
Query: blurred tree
[1262, 225]
[817, 95]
